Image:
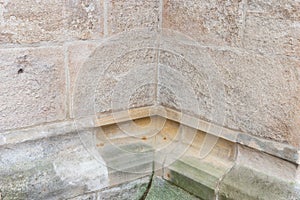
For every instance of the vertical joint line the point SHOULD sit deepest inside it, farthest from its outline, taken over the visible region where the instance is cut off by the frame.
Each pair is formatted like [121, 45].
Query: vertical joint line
[105, 17]
[67, 82]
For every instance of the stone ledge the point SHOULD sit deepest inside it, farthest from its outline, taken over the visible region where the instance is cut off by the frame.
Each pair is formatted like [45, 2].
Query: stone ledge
[269, 178]
[55, 162]
[277, 149]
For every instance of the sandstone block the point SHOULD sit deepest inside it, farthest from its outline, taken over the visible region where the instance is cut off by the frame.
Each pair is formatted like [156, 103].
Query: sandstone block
[32, 87]
[126, 15]
[27, 22]
[214, 22]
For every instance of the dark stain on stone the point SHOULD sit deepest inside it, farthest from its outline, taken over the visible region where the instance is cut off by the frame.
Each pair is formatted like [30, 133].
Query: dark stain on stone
[144, 138]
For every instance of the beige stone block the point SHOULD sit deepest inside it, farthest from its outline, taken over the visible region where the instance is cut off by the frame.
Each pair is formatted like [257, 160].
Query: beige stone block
[280, 9]
[126, 15]
[84, 19]
[247, 92]
[119, 86]
[31, 21]
[261, 94]
[115, 68]
[78, 54]
[213, 22]
[272, 36]
[32, 86]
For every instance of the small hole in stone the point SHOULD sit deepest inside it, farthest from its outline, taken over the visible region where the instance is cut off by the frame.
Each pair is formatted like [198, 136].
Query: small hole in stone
[20, 71]
[144, 138]
[165, 138]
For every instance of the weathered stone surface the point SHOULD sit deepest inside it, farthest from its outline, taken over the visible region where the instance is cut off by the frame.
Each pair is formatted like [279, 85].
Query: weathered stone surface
[36, 21]
[214, 22]
[56, 168]
[128, 49]
[188, 76]
[126, 15]
[84, 19]
[116, 82]
[32, 86]
[130, 190]
[260, 176]
[161, 189]
[244, 91]
[201, 176]
[272, 36]
[280, 9]
[78, 54]
[273, 27]
[261, 94]
[31, 21]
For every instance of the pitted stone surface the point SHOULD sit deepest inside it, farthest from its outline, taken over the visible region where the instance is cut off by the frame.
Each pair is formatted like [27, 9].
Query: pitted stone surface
[26, 22]
[131, 14]
[272, 27]
[214, 22]
[113, 73]
[32, 87]
[262, 96]
[252, 93]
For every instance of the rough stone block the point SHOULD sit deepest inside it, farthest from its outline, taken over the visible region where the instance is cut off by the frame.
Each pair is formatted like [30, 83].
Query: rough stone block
[32, 86]
[259, 176]
[126, 15]
[279, 9]
[84, 19]
[33, 21]
[272, 36]
[56, 168]
[214, 22]
[129, 190]
[161, 189]
[116, 82]
[248, 92]
[261, 94]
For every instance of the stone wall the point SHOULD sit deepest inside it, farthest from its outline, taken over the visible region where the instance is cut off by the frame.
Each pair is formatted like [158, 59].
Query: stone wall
[253, 45]
[232, 63]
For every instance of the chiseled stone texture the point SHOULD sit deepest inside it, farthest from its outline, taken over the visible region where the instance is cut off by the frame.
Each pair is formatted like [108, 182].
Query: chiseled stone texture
[214, 22]
[130, 14]
[123, 86]
[249, 92]
[188, 80]
[84, 18]
[262, 94]
[78, 54]
[32, 86]
[273, 27]
[34, 21]
[120, 72]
